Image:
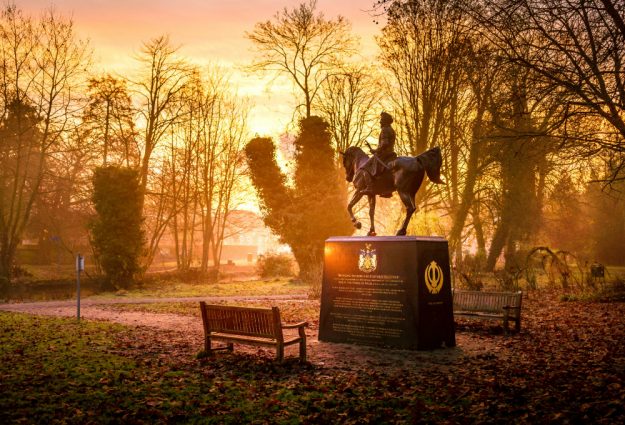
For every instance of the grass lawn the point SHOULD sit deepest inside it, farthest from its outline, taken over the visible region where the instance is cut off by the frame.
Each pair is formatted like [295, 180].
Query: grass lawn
[566, 366]
[159, 288]
[174, 288]
[58, 370]
[55, 369]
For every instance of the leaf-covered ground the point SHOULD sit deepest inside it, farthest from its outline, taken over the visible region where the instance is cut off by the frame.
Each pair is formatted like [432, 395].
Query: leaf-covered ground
[567, 365]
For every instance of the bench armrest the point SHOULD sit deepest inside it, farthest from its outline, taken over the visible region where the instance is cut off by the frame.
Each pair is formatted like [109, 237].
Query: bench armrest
[511, 307]
[295, 325]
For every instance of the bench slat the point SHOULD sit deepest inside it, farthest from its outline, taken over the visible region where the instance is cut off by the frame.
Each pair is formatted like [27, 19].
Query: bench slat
[237, 321]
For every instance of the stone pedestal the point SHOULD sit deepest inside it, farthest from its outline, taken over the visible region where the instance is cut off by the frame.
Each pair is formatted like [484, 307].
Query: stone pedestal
[387, 291]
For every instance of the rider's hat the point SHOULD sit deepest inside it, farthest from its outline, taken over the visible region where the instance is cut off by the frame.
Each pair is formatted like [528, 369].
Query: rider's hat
[386, 117]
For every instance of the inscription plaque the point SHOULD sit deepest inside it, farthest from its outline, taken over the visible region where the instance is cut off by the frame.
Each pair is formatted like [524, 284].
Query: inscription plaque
[390, 291]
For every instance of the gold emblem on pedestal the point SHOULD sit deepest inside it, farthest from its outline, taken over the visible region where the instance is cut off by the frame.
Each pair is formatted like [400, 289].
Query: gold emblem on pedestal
[433, 278]
[368, 260]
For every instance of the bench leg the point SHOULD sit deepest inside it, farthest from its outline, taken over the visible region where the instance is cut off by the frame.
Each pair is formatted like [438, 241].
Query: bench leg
[517, 325]
[302, 350]
[302, 345]
[505, 322]
[207, 345]
[210, 350]
[280, 352]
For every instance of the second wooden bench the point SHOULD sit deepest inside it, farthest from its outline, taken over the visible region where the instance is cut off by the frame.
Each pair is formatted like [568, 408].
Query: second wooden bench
[504, 306]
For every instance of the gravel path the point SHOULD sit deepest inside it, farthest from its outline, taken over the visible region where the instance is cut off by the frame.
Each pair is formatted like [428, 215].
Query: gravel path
[331, 355]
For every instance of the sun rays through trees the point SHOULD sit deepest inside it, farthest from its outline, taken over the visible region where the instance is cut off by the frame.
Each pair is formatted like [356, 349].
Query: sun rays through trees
[525, 99]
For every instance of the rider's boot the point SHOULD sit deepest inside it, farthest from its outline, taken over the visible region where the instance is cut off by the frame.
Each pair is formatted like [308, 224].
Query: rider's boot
[378, 174]
[368, 181]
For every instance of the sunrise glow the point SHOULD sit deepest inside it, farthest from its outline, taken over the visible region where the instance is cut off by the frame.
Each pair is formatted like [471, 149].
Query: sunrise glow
[209, 33]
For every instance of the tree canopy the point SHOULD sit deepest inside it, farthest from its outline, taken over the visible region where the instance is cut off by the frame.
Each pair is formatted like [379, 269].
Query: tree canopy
[299, 213]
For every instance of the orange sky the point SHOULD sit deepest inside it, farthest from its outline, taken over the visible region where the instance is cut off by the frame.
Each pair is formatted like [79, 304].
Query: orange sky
[209, 31]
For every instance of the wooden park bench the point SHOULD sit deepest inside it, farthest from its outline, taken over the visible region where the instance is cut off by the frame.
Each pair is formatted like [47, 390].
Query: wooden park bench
[252, 326]
[504, 306]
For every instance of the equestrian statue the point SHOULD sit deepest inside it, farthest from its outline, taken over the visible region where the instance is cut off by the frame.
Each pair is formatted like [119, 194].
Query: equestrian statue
[385, 172]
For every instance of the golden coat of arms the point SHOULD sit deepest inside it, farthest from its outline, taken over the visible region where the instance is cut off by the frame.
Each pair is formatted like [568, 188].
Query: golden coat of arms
[368, 259]
[433, 278]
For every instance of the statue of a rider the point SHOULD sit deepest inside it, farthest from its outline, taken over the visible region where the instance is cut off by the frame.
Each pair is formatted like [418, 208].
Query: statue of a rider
[376, 166]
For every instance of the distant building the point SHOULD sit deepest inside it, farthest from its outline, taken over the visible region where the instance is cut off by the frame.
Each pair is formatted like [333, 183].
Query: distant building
[246, 237]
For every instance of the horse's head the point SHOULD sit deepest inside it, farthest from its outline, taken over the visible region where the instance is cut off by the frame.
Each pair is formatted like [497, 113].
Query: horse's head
[347, 164]
[350, 156]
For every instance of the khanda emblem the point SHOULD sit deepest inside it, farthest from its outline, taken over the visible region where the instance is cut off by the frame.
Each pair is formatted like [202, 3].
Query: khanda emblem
[368, 260]
[433, 278]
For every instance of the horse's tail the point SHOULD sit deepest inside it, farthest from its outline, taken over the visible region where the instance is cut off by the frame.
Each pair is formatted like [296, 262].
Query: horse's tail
[431, 161]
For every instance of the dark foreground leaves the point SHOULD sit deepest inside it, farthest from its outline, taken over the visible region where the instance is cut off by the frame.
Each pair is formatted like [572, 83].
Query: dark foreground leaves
[567, 365]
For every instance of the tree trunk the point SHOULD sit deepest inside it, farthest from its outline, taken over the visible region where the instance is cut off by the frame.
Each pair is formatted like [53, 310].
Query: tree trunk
[207, 231]
[466, 200]
[106, 133]
[7, 254]
[496, 245]
[479, 236]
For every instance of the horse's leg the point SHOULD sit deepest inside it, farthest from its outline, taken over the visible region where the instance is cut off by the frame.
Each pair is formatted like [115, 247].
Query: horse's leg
[355, 198]
[408, 201]
[371, 215]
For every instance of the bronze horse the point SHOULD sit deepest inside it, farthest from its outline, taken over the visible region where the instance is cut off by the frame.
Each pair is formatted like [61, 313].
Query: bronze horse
[405, 176]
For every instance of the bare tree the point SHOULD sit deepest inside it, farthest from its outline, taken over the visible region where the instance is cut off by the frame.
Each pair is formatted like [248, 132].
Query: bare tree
[525, 115]
[63, 207]
[419, 48]
[575, 45]
[303, 46]
[221, 169]
[159, 205]
[482, 73]
[41, 65]
[231, 173]
[162, 78]
[202, 167]
[184, 159]
[348, 103]
[435, 86]
[108, 119]
[158, 87]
